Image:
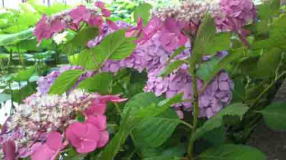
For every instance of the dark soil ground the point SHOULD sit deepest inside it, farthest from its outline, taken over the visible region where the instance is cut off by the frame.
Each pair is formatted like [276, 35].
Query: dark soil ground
[273, 143]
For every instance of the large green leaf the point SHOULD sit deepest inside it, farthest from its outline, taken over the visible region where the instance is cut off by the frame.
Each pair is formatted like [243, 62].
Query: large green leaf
[172, 67]
[232, 152]
[268, 62]
[85, 59]
[100, 83]
[208, 70]
[236, 109]
[220, 42]
[268, 9]
[140, 107]
[65, 81]
[275, 115]
[204, 39]
[10, 39]
[79, 41]
[24, 75]
[115, 46]
[142, 11]
[154, 131]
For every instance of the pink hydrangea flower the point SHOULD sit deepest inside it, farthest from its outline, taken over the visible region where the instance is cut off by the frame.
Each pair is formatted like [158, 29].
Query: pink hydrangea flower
[83, 136]
[81, 13]
[50, 149]
[42, 29]
[9, 149]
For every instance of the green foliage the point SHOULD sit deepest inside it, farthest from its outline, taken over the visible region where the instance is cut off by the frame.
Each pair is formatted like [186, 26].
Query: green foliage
[236, 109]
[24, 75]
[172, 67]
[9, 39]
[138, 109]
[205, 37]
[232, 152]
[100, 83]
[79, 41]
[142, 11]
[65, 81]
[115, 46]
[274, 115]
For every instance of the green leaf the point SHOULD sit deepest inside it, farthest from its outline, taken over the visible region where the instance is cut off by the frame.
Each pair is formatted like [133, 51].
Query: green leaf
[204, 39]
[10, 39]
[115, 46]
[268, 9]
[65, 81]
[85, 59]
[19, 95]
[100, 83]
[138, 102]
[232, 152]
[206, 70]
[79, 41]
[268, 63]
[129, 120]
[154, 131]
[176, 52]
[24, 75]
[171, 67]
[209, 70]
[136, 110]
[275, 116]
[142, 11]
[236, 109]
[220, 42]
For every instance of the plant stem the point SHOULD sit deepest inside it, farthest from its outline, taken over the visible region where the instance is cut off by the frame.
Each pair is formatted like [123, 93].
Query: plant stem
[195, 109]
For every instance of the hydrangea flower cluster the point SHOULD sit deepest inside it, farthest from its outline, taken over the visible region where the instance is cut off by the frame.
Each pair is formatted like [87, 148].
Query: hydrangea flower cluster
[46, 124]
[230, 15]
[161, 36]
[72, 19]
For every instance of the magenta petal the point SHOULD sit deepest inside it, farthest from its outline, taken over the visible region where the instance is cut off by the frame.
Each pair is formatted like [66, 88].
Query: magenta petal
[96, 109]
[98, 121]
[54, 140]
[104, 137]
[106, 12]
[99, 4]
[9, 149]
[83, 136]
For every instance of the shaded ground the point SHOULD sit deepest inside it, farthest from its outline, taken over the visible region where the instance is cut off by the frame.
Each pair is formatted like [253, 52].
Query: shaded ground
[273, 143]
[270, 142]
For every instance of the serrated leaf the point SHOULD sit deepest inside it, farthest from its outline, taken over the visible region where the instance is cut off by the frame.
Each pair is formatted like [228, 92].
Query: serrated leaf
[171, 67]
[134, 113]
[275, 115]
[220, 42]
[232, 152]
[236, 109]
[24, 75]
[205, 72]
[10, 39]
[79, 41]
[154, 131]
[142, 11]
[268, 63]
[100, 83]
[204, 38]
[209, 70]
[268, 9]
[176, 52]
[65, 81]
[115, 46]
[20, 94]
[85, 58]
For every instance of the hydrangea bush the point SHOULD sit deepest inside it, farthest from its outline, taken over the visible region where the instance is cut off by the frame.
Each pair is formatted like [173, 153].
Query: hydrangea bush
[185, 51]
